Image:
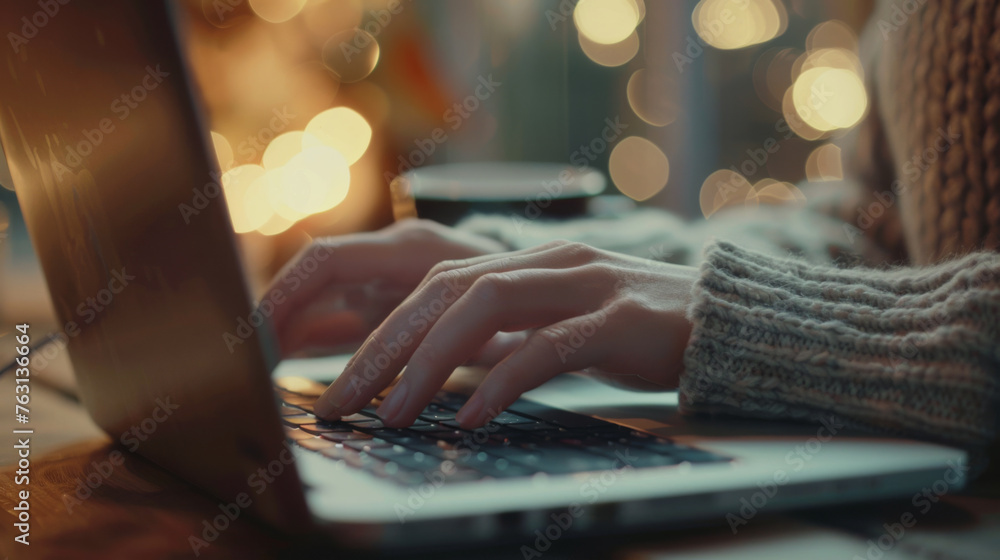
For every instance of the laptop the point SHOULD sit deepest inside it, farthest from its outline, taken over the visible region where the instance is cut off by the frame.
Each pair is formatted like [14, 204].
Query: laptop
[107, 144]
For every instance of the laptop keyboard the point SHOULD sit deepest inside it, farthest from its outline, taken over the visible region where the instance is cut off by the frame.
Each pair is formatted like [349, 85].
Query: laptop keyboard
[527, 439]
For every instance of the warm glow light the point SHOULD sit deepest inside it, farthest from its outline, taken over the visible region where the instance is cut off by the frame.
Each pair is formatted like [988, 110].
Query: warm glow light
[223, 151]
[639, 168]
[282, 149]
[320, 177]
[351, 55]
[829, 98]
[606, 21]
[828, 58]
[277, 11]
[832, 34]
[248, 210]
[731, 24]
[795, 122]
[825, 164]
[653, 97]
[769, 191]
[610, 55]
[725, 188]
[276, 225]
[343, 130]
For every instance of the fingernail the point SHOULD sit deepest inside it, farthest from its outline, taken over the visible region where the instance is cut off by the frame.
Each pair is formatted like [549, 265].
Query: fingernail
[334, 399]
[469, 415]
[393, 404]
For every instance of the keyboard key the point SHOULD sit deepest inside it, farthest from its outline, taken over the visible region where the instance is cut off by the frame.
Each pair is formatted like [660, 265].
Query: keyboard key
[359, 419]
[506, 418]
[299, 420]
[340, 437]
[296, 400]
[555, 416]
[427, 427]
[325, 428]
[437, 415]
[300, 386]
[371, 424]
[295, 434]
[535, 426]
[450, 401]
[315, 443]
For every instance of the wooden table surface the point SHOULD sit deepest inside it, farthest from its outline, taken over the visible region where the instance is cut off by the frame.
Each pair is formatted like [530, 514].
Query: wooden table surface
[141, 511]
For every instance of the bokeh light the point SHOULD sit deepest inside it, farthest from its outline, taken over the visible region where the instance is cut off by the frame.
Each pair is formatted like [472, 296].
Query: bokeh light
[282, 149]
[223, 151]
[653, 97]
[351, 55]
[246, 210]
[728, 24]
[325, 177]
[639, 168]
[277, 11]
[832, 34]
[342, 129]
[725, 188]
[770, 191]
[606, 21]
[610, 55]
[829, 98]
[825, 164]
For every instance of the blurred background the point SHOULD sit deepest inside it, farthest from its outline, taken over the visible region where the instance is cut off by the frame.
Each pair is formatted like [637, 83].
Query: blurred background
[315, 106]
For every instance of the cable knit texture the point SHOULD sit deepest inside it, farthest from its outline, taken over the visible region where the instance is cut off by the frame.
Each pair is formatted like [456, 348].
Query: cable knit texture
[910, 350]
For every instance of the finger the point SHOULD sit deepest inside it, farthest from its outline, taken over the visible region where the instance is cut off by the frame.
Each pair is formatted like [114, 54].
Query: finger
[496, 302]
[353, 259]
[328, 331]
[551, 350]
[344, 315]
[498, 348]
[392, 344]
[558, 254]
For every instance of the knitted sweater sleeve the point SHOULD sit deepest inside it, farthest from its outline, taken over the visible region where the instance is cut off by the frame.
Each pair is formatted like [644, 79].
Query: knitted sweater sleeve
[912, 351]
